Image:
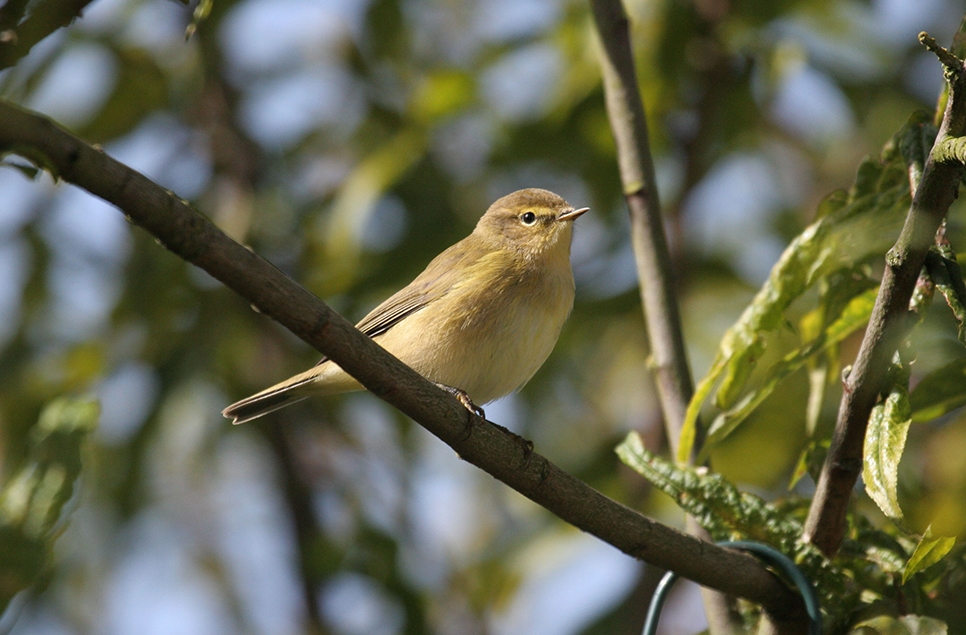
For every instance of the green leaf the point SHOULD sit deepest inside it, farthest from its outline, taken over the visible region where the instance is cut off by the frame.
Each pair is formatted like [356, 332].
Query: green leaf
[718, 505]
[948, 278]
[442, 94]
[201, 13]
[916, 144]
[354, 204]
[728, 513]
[885, 440]
[939, 392]
[32, 502]
[852, 229]
[928, 552]
[809, 461]
[904, 625]
[141, 88]
[855, 314]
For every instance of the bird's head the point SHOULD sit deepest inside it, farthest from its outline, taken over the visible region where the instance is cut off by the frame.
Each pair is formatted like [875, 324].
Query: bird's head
[537, 223]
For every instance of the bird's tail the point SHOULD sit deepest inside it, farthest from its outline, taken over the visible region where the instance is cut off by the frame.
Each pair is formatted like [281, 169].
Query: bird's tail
[323, 379]
[267, 401]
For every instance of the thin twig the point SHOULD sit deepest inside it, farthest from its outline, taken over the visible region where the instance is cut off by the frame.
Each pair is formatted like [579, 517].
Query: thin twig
[938, 188]
[191, 236]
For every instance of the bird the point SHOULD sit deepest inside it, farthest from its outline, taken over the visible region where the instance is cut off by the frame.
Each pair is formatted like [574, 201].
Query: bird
[479, 321]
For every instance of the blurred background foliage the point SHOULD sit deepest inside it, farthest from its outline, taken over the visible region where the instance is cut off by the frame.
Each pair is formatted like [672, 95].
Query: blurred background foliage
[349, 141]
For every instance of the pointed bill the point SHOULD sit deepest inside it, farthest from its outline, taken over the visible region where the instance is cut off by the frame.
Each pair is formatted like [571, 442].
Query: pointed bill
[572, 214]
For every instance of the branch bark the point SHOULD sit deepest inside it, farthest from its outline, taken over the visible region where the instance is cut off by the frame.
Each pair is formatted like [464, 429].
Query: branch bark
[625, 110]
[17, 40]
[191, 236]
[890, 321]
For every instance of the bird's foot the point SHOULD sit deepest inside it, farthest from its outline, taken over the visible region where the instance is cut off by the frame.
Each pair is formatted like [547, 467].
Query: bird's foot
[464, 399]
[525, 444]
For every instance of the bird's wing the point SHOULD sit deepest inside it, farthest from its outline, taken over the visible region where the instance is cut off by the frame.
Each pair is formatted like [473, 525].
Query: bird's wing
[433, 283]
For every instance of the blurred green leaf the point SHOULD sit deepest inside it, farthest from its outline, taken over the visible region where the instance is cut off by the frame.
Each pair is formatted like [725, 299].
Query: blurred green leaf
[865, 224]
[141, 88]
[885, 440]
[939, 392]
[201, 13]
[809, 461]
[31, 503]
[356, 200]
[443, 93]
[928, 552]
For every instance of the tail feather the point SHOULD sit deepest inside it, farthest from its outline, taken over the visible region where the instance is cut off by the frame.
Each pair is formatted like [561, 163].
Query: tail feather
[265, 402]
[327, 379]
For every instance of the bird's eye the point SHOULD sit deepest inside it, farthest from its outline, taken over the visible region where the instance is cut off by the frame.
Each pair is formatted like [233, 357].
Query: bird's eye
[528, 218]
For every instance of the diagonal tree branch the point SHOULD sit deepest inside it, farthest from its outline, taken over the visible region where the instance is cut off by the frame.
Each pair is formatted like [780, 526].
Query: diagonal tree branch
[45, 18]
[192, 237]
[890, 321]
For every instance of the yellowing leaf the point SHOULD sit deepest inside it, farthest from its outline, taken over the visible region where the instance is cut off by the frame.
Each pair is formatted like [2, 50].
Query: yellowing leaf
[885, 439]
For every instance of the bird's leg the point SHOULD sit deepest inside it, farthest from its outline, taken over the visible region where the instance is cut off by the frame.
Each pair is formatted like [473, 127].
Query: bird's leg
[464, 399]
[525, 444]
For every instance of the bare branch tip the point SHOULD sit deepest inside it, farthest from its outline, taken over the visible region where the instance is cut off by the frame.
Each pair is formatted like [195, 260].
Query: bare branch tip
[948, 60]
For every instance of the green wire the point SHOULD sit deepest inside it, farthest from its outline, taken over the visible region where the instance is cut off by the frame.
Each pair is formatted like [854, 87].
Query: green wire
[763, 552]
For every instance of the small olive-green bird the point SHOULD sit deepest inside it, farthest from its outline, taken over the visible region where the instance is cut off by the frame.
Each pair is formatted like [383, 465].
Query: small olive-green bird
[479, 321]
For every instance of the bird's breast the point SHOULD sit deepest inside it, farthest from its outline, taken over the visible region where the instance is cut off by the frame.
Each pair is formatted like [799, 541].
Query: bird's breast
[490, 333]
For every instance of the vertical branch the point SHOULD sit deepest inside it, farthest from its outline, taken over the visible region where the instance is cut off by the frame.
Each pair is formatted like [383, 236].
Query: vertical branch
[625, 110]
[626, 113]
[938, 188]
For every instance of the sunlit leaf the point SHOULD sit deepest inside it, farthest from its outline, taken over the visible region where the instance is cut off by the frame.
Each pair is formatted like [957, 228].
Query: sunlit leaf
[864, 224]
[939, 392]
[853, 317]
[885, 440]
[928, 552]
[903, 625]
[201, 13]
[357, 199]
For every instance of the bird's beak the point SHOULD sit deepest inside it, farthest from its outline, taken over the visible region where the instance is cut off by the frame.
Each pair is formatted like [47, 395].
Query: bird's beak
[572, 214]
